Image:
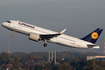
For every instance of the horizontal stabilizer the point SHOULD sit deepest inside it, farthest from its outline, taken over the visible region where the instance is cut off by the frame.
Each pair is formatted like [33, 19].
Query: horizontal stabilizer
[93, 46]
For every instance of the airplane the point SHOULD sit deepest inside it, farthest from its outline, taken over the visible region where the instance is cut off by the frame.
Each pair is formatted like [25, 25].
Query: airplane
[36, 33]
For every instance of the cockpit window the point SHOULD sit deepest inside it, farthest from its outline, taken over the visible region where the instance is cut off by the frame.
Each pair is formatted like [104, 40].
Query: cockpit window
[9, 21]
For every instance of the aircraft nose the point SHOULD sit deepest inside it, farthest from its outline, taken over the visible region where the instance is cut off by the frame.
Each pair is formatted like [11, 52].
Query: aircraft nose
[3, 24]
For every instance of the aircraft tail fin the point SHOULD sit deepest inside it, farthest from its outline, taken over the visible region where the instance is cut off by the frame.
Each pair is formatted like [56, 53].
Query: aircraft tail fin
[93, 36]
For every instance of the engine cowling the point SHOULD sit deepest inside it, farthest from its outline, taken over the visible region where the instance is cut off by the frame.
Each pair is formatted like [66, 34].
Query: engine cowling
[34, 36]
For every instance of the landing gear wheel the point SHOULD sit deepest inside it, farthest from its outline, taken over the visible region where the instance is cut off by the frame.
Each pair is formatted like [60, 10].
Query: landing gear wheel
[12, 35]
[45, 44]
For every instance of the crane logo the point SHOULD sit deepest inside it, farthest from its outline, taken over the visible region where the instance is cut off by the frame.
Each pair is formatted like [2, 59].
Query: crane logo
[94, 35]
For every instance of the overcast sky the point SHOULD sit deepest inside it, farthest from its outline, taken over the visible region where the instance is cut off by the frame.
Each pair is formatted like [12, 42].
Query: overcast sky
[80, 17]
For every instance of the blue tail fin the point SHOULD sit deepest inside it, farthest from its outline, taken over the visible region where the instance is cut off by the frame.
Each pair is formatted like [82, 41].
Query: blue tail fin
[93, 36]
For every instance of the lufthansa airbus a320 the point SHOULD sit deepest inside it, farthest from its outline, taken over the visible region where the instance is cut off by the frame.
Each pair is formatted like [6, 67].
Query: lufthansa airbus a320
[37, 33]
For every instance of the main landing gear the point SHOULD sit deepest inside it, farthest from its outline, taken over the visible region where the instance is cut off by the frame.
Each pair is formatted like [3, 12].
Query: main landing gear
[45, 44]
[13, 34]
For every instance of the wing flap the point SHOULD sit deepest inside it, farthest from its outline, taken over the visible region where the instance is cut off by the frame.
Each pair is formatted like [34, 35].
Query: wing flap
[49, 36]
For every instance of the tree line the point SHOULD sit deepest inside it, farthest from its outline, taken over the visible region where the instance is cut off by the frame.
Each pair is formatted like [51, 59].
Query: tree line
[74, 63]
[64, 54]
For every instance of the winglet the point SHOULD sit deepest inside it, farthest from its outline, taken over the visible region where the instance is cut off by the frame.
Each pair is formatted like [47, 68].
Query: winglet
[63, 31]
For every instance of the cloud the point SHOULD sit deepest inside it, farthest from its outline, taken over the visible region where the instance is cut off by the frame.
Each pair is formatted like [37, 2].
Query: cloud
[68, 3]
[23, 2]
[75, 7]
[85, 7]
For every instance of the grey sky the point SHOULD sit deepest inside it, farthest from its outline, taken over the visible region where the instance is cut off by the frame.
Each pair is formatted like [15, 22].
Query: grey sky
[80, 17]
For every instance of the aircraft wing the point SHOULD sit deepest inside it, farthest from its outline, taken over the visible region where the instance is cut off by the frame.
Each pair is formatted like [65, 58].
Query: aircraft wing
[49, 36]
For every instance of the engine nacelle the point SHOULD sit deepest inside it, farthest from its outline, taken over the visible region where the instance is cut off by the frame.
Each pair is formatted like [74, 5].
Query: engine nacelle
[34, 36]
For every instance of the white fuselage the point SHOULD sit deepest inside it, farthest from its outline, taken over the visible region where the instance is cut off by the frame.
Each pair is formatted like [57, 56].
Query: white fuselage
[62, 39]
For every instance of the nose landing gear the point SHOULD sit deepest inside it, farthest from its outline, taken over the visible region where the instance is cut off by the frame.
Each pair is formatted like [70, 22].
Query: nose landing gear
[13, 34]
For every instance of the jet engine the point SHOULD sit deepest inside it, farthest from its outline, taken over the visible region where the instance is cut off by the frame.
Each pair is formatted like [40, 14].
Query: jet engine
[34, 36]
